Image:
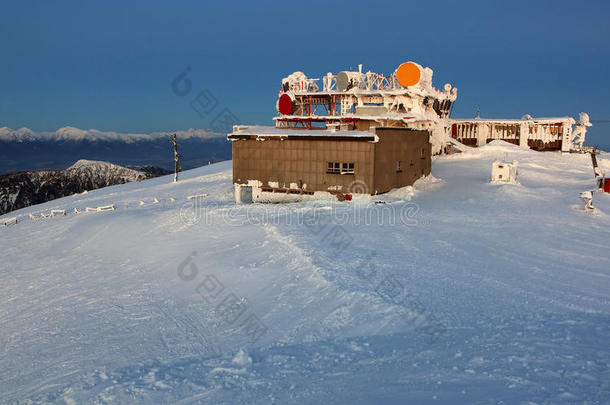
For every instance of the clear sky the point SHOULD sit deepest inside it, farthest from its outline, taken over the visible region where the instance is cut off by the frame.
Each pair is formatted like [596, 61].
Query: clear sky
[109, 65]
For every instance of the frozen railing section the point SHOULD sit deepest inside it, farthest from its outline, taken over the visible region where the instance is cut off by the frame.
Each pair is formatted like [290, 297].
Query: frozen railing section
[53, 213]
[101, 208]
[9, 221]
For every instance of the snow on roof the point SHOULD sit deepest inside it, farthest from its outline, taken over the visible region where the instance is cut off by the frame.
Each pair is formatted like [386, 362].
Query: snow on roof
[268, 131]
[512, 120]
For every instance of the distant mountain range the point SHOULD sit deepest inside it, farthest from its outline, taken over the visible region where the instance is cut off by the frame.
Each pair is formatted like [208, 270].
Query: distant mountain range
[22, 189]
[23, 149]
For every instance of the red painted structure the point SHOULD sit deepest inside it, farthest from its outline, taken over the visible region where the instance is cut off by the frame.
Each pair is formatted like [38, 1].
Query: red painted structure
[285, 104]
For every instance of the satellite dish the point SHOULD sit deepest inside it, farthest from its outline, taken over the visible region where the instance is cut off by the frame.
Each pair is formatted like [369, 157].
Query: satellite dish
[408, 74]
[342, 81]
[285, 104]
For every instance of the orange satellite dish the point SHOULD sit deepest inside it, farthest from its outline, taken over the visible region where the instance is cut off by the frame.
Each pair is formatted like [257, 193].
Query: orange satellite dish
[408, 74]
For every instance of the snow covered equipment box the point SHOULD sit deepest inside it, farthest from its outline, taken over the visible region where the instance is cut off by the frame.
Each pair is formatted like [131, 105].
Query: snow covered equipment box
[504, 172]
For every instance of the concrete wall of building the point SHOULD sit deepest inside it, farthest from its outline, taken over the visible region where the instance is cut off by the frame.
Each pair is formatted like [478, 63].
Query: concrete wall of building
[302, 163]
[409, 147]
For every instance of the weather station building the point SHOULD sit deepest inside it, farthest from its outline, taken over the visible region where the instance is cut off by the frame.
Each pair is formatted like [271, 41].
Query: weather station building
[297, 161]
[366, 133]
[344, 139]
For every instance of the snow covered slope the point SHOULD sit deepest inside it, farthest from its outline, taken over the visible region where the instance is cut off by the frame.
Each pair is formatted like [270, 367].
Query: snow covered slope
[457, 291]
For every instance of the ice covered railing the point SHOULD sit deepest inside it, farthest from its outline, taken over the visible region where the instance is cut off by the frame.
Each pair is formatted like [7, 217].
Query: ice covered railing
[408, 76]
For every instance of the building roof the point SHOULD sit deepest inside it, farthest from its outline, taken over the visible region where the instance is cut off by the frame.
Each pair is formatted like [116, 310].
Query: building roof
[261, 132]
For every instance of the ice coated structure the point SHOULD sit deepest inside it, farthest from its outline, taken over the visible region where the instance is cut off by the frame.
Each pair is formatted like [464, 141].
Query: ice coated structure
[454, 291]
[406, 98]
[580, 130]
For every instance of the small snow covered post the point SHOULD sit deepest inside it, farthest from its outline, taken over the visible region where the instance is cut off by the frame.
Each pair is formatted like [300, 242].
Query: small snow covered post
[597, 171]
[174, 140]
[504, 172]
[587, 198]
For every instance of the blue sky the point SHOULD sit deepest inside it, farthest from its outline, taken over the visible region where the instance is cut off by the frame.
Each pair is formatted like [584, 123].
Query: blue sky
[109, 65]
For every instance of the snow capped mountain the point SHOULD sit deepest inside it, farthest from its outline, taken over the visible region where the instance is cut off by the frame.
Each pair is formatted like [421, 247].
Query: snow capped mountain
[91, 168]
[16, 135]
[23, 189]
[455, 291]
[69, 133]
[24, 149]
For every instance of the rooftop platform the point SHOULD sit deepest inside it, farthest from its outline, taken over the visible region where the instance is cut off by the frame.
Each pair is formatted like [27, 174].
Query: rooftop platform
[261, 132]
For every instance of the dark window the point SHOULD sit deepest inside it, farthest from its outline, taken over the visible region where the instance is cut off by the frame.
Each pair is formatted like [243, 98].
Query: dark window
[398, 168]
[340, 168]
[334, 167]
[347, 168]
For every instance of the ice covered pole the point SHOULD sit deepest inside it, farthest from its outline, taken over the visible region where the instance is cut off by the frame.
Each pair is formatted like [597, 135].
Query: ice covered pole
[174, 139]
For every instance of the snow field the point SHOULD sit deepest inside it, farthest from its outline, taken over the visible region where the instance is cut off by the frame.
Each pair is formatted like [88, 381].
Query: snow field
[452, 291]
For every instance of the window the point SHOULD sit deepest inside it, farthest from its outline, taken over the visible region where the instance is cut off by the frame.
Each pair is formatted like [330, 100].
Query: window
[334, 167]
[398, 168]
[423, 153]
[347, 168]
[340, 168]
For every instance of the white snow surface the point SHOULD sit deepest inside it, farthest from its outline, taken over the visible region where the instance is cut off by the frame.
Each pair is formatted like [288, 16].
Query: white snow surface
[455, 291]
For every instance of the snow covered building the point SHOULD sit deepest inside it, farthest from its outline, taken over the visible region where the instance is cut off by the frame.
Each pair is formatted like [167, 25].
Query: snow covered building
[339, 162]
[367, 125]
[535, 133]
